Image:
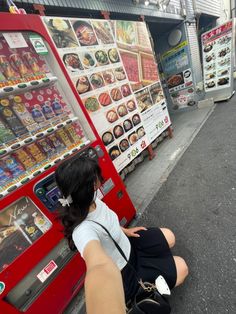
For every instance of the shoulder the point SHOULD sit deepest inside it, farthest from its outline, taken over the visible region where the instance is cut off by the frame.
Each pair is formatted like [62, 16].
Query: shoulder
[83, 234]
[100, 203]
[83, 228]
[103, 207]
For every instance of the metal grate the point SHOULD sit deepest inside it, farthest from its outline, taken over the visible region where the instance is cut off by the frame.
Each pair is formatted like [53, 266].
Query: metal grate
[211, 7]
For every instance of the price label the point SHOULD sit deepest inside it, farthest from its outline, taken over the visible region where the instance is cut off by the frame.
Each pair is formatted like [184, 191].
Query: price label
[133, 153]
[15, 40]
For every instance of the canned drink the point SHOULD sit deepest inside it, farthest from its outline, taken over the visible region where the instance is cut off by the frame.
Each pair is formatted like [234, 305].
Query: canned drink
[3, 81]
[5, 176]
[57, 107]
[13, 166]
[7, 69]
[24, 158]
[19, 65]
[37, 115]
[32, 62]
[6, 134]
[8, 115]
[35, 151]
[47, 110]
[23, 114]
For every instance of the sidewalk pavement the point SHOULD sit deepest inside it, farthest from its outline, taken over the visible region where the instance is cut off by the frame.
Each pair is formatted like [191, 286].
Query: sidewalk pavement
[198, 202]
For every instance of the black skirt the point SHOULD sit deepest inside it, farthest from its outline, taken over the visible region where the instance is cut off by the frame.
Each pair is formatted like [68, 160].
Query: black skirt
[150, 257]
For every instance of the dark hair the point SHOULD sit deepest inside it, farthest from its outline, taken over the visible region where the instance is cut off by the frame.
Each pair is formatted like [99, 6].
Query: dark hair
[76, 177]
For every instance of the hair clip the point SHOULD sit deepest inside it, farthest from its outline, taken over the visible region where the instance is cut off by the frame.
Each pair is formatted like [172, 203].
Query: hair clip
[66, 201]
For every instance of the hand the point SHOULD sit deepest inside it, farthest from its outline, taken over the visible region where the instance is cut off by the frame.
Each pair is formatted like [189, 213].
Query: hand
[131, 232]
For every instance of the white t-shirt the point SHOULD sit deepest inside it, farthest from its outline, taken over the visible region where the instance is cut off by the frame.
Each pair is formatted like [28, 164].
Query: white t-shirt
[89, 230]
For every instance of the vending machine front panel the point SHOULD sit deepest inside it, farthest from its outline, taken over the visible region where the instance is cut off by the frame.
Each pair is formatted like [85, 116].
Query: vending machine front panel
[42, 123]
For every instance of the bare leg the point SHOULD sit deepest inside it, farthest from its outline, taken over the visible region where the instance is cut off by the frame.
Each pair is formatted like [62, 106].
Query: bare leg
[169, 235]
[182, 270]
[181, 266]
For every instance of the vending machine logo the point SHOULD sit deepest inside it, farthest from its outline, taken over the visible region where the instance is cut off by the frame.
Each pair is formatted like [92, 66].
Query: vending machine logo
[38, 44]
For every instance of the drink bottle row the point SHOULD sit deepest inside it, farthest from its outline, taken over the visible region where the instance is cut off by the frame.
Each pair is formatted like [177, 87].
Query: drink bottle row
[17, 68]
[18, 122]
[28, 159]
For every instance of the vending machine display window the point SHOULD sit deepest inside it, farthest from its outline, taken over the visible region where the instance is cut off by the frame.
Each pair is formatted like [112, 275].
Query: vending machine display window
[21, 224]
[39, 125]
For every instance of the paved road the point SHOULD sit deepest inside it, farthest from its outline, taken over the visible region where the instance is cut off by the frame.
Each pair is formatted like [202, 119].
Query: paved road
[198, 202]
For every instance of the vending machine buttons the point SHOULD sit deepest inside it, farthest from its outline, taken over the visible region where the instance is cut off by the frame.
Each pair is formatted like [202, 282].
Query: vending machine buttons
[12, 188]
[25, 180]
[8, 89]
[47, 190]
[34, 83]
[22, 85]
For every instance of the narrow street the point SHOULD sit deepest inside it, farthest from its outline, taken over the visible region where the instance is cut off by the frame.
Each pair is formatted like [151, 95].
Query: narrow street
[198, 203]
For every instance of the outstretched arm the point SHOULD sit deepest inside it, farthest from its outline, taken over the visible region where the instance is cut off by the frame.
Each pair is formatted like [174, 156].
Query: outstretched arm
[103, 283]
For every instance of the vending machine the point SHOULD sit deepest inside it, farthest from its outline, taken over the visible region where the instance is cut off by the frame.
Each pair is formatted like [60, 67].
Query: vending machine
[42, 122]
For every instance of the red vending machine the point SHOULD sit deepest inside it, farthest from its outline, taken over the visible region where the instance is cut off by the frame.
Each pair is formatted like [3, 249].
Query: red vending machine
[42, 122]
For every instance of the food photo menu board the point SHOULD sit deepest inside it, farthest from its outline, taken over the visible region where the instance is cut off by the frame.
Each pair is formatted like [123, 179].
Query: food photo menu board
[90, 55]
[178, 74]
[136, 52]
[217, 57]
[37, 126]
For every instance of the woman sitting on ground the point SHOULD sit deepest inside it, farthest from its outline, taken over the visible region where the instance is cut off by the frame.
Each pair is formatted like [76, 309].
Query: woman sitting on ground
[147, 249]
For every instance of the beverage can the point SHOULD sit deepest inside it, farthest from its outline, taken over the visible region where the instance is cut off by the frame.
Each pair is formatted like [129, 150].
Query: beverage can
[57, 142]
[3, 81]
[12, 165]
[8, 115]
[6, 134]
[47, 147]
[5, 176]
[24, 158]
[72, 133]
[23, 114]
[47, 110]
[35, 151]
[32, 62]
[37, 114]
[65, 138]
[19, 65]
[7, 69]
[57, 107]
